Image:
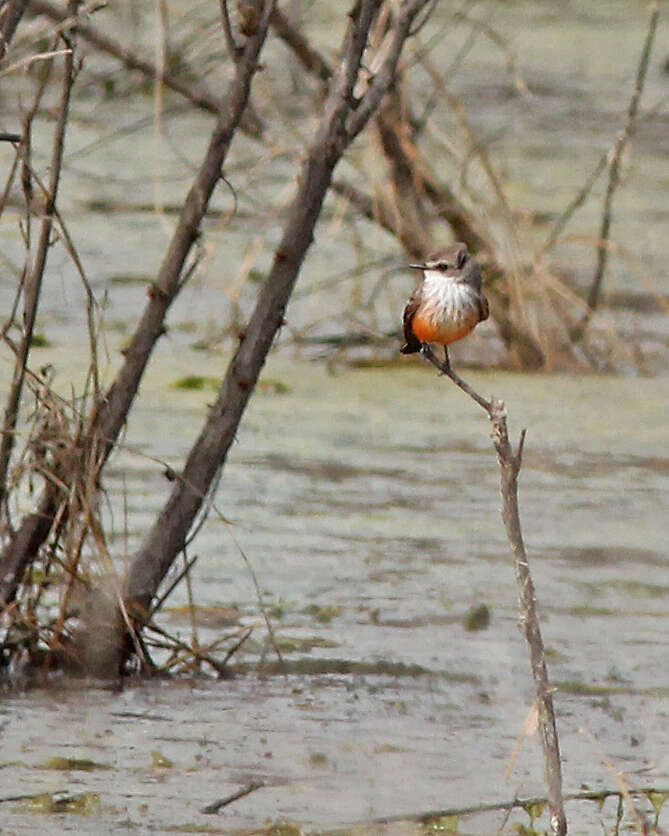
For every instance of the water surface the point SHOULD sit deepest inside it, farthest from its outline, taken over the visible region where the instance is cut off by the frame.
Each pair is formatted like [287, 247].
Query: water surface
[367, 503]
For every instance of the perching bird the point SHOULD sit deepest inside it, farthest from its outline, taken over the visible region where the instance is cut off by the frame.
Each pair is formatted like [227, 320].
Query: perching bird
[448, 304]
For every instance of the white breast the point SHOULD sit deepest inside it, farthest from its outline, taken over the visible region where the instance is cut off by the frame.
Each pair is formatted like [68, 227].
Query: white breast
[444, 298]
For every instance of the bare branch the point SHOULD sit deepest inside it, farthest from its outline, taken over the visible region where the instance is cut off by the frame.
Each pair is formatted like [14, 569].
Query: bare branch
[614, 173]
[216, 806]
[509, 465]
[233, 49]
[310, 58]
[208, 455]
[380, 82]
[10, 15]
[166, 538]
[197, 95]
[107, 422]
[33, 283]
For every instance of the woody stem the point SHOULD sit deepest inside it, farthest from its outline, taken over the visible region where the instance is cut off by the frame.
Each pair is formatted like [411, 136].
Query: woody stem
[509, 463]
[444, 367]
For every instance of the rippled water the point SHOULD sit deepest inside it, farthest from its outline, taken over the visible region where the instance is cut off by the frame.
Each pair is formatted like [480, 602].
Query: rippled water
[367, 503]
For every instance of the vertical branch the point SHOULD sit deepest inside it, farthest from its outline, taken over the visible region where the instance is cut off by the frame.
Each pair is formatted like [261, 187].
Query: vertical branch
[509, 465]
[33, 284]
[233, 49]
[10, 15]
[614, 175]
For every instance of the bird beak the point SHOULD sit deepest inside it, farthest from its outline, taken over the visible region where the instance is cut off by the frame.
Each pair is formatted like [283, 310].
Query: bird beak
[417, 266]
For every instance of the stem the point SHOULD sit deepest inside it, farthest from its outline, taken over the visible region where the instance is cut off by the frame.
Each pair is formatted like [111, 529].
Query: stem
[509, 465]
[623, 138]
[110, 415]
[33, 285]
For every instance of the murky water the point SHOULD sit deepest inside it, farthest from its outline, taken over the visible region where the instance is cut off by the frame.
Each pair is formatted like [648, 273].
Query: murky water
[367, 504]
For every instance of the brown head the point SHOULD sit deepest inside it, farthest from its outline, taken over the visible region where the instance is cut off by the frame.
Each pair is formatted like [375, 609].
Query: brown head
[453, 262]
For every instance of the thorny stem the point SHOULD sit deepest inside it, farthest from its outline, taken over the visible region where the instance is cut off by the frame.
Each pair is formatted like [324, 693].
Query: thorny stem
[509, 464]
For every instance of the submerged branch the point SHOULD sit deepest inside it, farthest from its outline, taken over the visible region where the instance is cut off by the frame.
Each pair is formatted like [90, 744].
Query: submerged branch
[216, 806]
[513, 804]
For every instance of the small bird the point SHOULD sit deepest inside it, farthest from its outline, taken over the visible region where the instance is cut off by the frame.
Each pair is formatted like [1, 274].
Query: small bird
[448, 304]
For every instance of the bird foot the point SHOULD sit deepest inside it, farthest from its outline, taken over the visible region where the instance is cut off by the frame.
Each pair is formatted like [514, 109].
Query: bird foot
[444, 365]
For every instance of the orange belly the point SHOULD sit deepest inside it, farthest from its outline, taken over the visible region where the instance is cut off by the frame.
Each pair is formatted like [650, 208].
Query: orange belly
[430, 330]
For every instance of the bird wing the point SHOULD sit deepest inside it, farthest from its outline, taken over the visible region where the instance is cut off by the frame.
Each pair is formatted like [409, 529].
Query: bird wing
[412, 344]
[484, 308]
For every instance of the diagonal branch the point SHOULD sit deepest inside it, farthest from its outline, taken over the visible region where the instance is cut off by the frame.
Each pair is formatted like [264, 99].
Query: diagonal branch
[312, 60]
[614, 175]
[10, 15]
[107, 422]
[166, 539]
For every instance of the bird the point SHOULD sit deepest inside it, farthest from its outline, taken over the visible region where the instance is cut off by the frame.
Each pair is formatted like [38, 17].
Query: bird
[448, 303]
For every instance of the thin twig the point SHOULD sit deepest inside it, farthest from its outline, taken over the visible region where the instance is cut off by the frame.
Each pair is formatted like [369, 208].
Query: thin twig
[26, 63]
[614, 175]
[235, 647]
[445, 369]
[33, 285]
[309, 57]
[577, 201]
[158, 603]
[202, 654]
[233, 49]
[215, 806]
[512, 804]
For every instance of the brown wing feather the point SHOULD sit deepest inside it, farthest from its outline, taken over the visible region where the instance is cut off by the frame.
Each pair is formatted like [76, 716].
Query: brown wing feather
[412, 344]
[484, 309]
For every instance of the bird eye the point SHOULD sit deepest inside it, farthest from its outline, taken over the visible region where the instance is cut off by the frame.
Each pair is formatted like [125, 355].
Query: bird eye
[443, 265]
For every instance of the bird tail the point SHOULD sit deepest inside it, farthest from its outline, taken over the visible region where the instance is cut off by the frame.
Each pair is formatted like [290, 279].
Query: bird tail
[411, 347]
